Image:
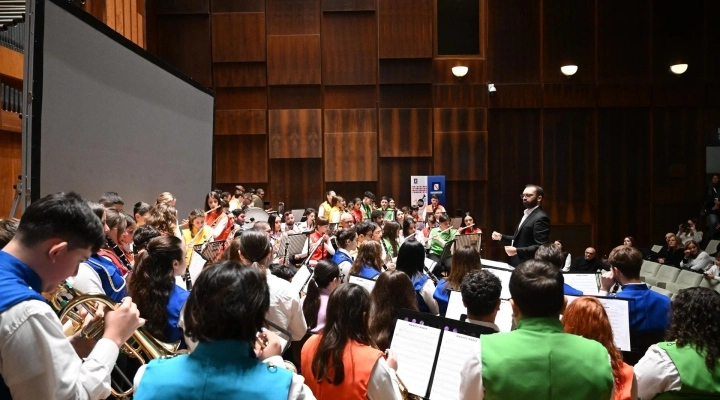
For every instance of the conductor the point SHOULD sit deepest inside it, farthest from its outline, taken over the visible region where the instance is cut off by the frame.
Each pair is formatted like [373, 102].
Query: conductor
[533, 230]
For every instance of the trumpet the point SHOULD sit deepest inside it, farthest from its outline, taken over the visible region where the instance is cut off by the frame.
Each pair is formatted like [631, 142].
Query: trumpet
[67, 302]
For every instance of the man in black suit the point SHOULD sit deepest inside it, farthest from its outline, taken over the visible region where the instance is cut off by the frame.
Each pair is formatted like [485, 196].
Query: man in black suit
[533, 230]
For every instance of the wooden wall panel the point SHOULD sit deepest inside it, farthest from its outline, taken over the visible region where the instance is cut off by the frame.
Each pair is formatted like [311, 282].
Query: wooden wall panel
[337, 97]
[290, 97]
[184, 42]
[568, 38]
[348, 5]
[557, 95]
[349, 49]
[293, 60]
[239, 74]
[11, 167]
[238, 37]
[226, 6]
[293, 17]
[461, 156]
[241, 98]
[460, 119]
[516, 96]
[295, 133]
[240, 122]
[180, 6]
[347, 121]
[296, 181]
[575, 238]
[241, 158]
[624, 94]
[623, 41]
[679, 94]
[469, 196]
[678, 37]
[351, 157]
[514, 41]
[414, 70]
[406, 132]
[406, 28]
[460, 96]
[405, 96]
[394, 177]
[623, 176]
[442, 70]
[569, 179]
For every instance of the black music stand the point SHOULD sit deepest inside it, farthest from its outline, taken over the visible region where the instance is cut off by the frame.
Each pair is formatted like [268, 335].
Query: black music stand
[472, 240]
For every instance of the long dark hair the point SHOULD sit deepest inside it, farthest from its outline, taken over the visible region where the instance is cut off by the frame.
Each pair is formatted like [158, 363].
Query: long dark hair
[391, 230]
[464, 260]
[696, 322]
[369, 254]
[153, 280]
[325, 272]
[393, 291]
[411, 258]
[347, 319]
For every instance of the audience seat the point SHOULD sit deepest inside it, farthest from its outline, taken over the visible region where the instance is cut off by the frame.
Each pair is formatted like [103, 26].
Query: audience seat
[713, 284]
[648, 268]
[656, 248]
[662, 291]
[686, 279]
[712, 247]
[665, 274]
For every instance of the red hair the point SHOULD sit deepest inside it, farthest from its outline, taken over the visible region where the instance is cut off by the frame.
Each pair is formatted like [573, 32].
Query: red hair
[586, 317]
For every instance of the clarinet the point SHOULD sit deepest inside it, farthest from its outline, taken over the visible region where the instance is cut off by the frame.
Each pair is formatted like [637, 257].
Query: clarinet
[188, 279]
[119, 253]
[430, 275]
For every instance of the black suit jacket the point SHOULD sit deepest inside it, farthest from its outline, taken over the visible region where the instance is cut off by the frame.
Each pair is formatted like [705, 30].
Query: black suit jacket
[533, 233]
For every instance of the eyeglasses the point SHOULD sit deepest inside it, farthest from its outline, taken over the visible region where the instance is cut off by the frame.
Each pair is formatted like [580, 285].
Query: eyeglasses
[522, 196]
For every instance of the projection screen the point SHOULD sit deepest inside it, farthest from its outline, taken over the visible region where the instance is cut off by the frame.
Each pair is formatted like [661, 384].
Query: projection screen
[109, 116]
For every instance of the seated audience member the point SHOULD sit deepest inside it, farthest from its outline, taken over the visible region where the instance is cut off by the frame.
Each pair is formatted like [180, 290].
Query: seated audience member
[553, 254]
[586, 317]
[437, 240]
[713, 272]
[481, 296]
[695, 259]
[285, 311]
[326, 277]
[368, 263]
[589, 263]
[688, 232]
[538, 360]
[649, 310]
[411, 261]
[342, 362]
[687, 365]
[152, 286]
[673, 253]
[347, 242]
[393, 292]
[8, 229]
[228, 361]
[38, 360]
[464, 261]
[567, 257]
[141, 211]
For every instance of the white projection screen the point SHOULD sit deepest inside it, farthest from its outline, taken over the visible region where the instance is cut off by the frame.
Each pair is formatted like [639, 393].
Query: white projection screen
[113, 117]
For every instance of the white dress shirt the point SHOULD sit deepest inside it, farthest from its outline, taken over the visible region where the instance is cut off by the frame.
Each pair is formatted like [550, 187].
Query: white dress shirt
[86, 281]
[426, 292]
[383, 383]
[568, 262]
[38, 362]
[656, 373]
[526, 214]
[285, 310]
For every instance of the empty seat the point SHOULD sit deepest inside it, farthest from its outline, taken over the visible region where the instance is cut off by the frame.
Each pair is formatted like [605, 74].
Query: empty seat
[713, 284]
[648, 268]
[662, 291]
[686, 279]
[656, 248]
[665, 274]
[712, 247]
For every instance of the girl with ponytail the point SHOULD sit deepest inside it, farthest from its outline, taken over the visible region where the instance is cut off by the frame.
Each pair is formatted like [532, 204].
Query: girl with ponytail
[325, 279]
[152, 287]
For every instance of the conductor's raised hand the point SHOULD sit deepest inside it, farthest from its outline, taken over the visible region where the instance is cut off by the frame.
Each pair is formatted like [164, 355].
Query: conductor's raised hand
[496, 235]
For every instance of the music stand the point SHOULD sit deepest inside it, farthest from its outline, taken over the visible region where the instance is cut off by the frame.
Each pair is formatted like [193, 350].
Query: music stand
[211, 250]
[447, 253]
[456, 222]
[473, 240]
[292, 244]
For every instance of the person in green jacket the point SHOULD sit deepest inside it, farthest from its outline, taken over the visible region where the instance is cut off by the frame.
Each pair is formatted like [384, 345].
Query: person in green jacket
[687, 366]
[538, 360]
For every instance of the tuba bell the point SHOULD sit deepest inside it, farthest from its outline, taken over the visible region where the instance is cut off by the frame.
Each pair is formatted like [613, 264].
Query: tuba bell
[67, 303]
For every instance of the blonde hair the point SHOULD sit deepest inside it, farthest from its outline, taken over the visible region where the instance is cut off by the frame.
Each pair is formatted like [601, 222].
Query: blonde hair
[165, 197]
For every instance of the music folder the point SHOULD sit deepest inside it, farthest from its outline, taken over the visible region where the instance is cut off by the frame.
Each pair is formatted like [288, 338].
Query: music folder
[431, 352]
[368, 284]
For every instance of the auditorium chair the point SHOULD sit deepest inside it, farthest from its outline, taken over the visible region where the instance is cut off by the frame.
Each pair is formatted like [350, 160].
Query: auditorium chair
[686, 279]
[648, 268]
[712, 246]
[665, 274]
[713, 284]
[656, 248]
[662, 291]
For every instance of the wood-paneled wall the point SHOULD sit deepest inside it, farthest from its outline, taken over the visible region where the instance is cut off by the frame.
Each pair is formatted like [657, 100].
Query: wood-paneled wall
[127, 17]
[349, 95]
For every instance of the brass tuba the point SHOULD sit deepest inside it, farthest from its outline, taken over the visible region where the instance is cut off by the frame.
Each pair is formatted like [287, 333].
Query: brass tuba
[142, 346]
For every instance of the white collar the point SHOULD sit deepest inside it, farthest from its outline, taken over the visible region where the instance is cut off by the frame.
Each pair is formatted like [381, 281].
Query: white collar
[528, 211]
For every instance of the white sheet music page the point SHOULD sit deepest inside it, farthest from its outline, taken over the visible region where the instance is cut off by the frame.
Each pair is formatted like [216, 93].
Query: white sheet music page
[586, 283]
[368, 284]
[619, 315]
[497, 264]
[455, 348]
[298, 281]
[415, 346]
[455, 306]
[504, 317]
[196, 265]
[504, 281]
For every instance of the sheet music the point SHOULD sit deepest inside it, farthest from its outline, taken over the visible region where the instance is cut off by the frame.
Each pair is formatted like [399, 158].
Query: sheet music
[455, 348]
[197, 262]
[297, 242]
[619, 315]
[455, 306]
[586, 283]
[368, 284]
[496, 264]
[415, 346]
[504, 281]
[298, 281]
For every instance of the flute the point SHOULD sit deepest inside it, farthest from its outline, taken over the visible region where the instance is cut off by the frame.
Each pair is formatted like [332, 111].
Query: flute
[465, 227]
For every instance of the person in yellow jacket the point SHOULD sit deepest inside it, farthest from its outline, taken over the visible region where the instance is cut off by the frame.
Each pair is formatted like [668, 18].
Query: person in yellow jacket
[196, 233]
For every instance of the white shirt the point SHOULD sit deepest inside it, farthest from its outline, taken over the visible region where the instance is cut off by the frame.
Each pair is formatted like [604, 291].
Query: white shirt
[383, 383]
[38, 361]
[345, 265]
[87, 281]
[656, 373]
[426, 292]
[285, 310]
[526, 214]
[568, 262]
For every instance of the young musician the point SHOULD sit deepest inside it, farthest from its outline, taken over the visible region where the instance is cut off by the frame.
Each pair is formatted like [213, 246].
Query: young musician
[356, 210]
[341, 362]
[586, 317]
[166, 198]
[438, 238]
[38, 361]
[140, 211]
[143, 235]
[326, 277]
[321, 251]
[8, 229]
[365, 231]
[468, 226]
[112, 200]
[433, 207]
[368, 199]
[464, 261]
[126, 239]
[288, 224]
[309, 224]
[152, 284]
[215, 218]
[197, 232]
[117, 224]
[392, 293]
[480, 291]
[325, 207]
[391, 239]
[553, 254]
[369, 262]
[538, 360]
[231, 360]
[411, 260]
[163, 217]
[347, 242]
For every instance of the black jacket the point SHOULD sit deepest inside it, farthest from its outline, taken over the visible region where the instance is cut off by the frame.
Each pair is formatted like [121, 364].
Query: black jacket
[534, 232]
[580, 264]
